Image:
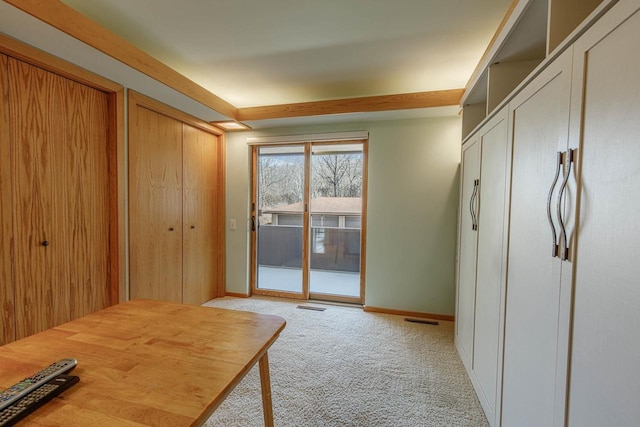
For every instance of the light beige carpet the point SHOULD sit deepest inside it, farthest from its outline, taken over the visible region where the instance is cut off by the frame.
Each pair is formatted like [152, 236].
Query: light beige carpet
[345, 367]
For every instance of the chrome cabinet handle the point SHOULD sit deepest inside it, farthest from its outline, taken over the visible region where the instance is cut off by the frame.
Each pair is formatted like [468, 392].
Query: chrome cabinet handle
[554, 252]
[474, 224]
[564, 255]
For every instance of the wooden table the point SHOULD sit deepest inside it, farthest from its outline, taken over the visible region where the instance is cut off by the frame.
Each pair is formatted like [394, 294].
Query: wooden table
[147, 363]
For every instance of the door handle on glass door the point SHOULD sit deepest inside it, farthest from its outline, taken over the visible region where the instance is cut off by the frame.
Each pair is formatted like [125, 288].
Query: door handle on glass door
[253, 223]
[559, 158]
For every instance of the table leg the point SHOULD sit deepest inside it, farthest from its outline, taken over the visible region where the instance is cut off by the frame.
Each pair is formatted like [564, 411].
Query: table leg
[265, 383]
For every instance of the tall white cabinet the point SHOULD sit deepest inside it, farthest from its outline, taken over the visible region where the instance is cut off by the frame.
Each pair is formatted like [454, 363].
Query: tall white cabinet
[604, 385]
[534, 367]
[567, 346]
[485, 165]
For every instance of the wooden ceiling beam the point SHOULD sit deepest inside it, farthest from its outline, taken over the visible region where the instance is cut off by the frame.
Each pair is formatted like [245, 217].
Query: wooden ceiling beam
[439, 98]
[73, 23]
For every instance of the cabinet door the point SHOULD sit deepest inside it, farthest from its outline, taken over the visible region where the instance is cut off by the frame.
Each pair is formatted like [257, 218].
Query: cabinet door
[200, 150]
[155, 206]
[60, 192]
[532, 354]
[490, 270]
[81, 174]
[605, 374]
[7, 305]
[467, 247]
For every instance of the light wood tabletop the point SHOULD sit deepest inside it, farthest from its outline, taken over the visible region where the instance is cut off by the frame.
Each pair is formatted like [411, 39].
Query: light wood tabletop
[146, 363]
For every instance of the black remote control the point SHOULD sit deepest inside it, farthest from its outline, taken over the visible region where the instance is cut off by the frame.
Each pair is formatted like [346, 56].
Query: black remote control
[27, 385]
[23, 407]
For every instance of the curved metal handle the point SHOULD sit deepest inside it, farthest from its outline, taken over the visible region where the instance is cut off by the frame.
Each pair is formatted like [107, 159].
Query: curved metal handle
[559, 158]
[564, 255]
[472, 207]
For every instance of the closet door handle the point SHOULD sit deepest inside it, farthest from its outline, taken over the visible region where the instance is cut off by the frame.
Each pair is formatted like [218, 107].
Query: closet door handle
[472, 209]
[564, 255]
[554, 252]
[45, 243]
[253, 223]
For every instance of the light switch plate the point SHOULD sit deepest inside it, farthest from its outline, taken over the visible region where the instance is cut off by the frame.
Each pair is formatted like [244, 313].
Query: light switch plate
[232, 224]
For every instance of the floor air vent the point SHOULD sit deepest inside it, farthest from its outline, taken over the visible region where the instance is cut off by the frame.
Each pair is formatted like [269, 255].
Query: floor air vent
[426, 322]
[308, 307]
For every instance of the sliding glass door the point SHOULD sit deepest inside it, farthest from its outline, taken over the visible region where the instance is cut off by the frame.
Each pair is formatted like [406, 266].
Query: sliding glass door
[308, 220]
[336, 220]
[279, 223]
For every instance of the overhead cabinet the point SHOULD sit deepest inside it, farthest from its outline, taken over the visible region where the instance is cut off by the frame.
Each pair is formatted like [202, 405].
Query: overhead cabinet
[55, 214]
[175, 205]
[570, 304]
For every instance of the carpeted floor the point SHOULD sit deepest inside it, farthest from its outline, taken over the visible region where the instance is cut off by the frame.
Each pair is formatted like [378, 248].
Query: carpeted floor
[345, 367]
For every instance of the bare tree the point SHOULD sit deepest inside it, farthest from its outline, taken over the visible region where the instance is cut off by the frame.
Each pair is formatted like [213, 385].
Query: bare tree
[337, 175]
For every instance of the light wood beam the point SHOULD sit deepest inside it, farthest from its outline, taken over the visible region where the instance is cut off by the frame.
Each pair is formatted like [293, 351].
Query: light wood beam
[440, 98]
[73, 23]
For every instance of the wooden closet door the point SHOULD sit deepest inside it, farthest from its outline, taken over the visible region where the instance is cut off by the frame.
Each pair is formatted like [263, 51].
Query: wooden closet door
[7, 288]
[155, 206]
[60, 191]
[37, 114]
[200, 150]
[81, 202]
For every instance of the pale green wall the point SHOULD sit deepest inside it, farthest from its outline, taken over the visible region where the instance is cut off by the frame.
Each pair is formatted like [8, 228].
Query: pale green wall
[412, 210]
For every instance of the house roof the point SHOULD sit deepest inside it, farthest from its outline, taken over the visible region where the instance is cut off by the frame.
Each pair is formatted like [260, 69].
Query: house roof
[324, 205]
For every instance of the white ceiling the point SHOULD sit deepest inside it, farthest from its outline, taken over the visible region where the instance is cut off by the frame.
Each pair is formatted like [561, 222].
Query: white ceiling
[267, 52]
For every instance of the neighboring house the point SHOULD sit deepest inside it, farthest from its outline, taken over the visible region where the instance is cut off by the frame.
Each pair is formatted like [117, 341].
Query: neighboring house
[327, 212]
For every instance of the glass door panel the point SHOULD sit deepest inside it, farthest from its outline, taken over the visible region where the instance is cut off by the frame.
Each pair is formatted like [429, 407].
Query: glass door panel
[336, 218]
[280, 219]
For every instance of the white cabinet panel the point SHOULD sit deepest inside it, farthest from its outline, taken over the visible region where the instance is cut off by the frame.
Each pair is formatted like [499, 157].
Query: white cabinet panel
[605, 368]
[467, 247]
[490, 270]
[532, 355]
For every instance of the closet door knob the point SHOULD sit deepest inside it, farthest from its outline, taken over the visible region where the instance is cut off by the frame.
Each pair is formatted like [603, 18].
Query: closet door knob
[193, 226]
[171, 229]
[45, 243]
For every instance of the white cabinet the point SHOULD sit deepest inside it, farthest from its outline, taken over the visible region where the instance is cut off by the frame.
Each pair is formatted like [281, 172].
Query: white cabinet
[570, 347]
[534, 358]
[481, 257]
[605, 348]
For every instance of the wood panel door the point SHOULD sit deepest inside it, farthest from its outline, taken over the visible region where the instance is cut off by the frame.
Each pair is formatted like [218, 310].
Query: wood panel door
[200, 264]
[155, 206]
[605, 374]
[7, 288]
[534, 359]
[60, 192]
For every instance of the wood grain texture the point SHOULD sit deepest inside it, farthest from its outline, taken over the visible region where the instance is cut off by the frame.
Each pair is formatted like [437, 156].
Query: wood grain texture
[73, 23]
[36, 107]
[145, 363]
[200, 213]
[7, 304]
[405, 101]
[59, 139]
[155, 205]
[41, 59]
[84, 195]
